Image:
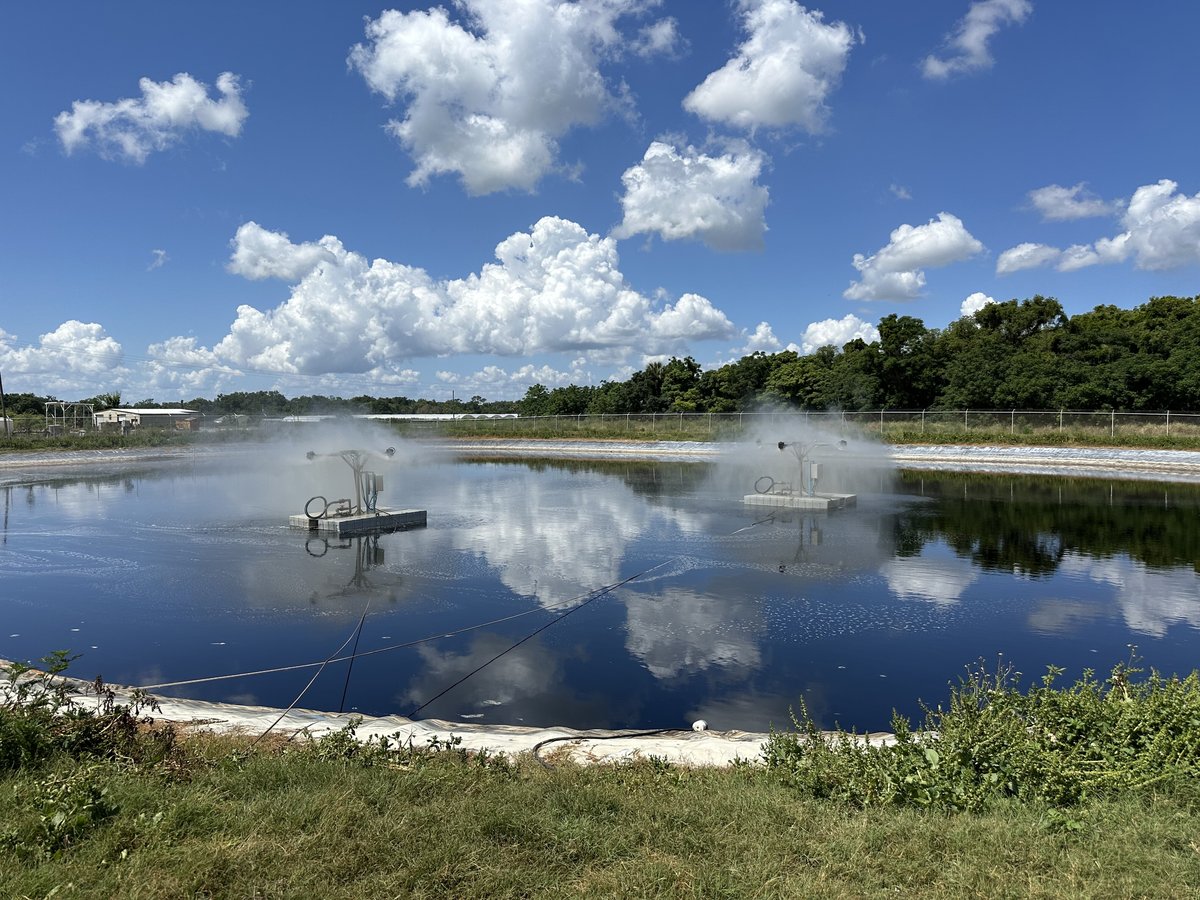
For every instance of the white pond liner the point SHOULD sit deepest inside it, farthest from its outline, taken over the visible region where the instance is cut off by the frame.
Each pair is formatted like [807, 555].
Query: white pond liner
[683, 748]
[1096, 462]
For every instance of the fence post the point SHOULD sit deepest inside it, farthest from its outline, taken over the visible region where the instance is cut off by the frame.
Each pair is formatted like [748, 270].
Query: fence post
[881, 422]
[922, 421]
[1060, 412]
[1112, 431]
[1168, 423]
[1012, 428]
[965, 418]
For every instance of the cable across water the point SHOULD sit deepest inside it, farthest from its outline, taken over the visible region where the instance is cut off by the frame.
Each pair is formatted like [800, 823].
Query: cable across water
[571, 606]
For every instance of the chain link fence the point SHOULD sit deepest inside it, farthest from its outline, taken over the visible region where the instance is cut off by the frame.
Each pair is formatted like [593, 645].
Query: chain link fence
[894, 422]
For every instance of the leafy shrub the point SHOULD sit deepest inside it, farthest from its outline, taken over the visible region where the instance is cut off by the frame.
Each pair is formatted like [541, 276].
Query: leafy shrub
[1055, 745]
[39, 716]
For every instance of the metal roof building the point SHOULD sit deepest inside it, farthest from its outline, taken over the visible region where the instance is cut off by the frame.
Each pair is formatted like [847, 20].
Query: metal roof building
[143, 418]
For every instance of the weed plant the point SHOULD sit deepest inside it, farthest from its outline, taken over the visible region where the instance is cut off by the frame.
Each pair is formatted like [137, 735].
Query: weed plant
[1050, 745]
[44, 730]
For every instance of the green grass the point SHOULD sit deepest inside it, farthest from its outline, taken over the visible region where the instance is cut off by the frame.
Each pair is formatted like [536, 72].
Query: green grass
[1039, 431]
[295, 825]
[1042, 437]
[731, 427]
[110, 440]
[134, 812]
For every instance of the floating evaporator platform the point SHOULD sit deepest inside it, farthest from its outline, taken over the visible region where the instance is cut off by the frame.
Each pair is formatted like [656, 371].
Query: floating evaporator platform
[347, 517]
[378, 521]
[784, 495]
[793, 500]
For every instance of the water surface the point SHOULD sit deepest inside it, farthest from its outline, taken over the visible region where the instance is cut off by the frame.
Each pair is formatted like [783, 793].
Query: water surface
[182, 570]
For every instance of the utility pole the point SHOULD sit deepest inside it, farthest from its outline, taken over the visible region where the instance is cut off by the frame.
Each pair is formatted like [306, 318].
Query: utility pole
[3, 407]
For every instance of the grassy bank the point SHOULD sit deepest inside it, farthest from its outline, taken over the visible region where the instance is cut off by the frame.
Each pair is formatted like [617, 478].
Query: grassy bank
[115, 804]
[665, 427]
[734, 427]
[111, 440]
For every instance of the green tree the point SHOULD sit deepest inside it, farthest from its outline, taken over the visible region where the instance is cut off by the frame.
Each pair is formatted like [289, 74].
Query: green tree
[536, 401]
[805, 381]
[104, 401]
[855, 379]
[680, 385]
[910, 373]
[643, 391]
[571, 400]
[1004, 356]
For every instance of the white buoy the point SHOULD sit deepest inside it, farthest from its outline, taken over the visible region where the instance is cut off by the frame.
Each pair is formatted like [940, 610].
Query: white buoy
[699, 725]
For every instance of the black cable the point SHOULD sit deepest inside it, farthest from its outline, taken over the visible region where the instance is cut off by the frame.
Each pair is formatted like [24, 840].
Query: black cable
[388, 649]
[353, 651]
[430, 638]
[607, 736]
[311, 682]
[596, 595]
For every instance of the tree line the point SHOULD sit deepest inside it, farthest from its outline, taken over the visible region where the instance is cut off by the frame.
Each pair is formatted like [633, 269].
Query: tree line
[1018, 354]
[272, 404]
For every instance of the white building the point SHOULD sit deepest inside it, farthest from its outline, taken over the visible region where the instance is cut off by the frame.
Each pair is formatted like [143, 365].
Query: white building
[118, 418]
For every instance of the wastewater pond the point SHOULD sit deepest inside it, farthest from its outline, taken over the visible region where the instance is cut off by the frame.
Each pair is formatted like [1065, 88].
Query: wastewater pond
[590, 594]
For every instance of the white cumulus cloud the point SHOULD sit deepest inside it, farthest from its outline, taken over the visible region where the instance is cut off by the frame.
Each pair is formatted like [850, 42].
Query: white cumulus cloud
[74, 357]
[133, 128]
[492, 377]
[1162, 231]
[967, 46]
[837, 332]
[681, 194]
[1102, 252]
[974, 303]
[553, 289]
[781, 75]
[177, 365]
[660, 38]
[489, 98]
[1026, 256]
[1162, 227]
[895, 272]
[1058, 204]
[259, 253]
[763, 339]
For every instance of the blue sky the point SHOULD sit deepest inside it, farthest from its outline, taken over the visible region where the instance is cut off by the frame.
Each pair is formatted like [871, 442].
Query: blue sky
[410, 199]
